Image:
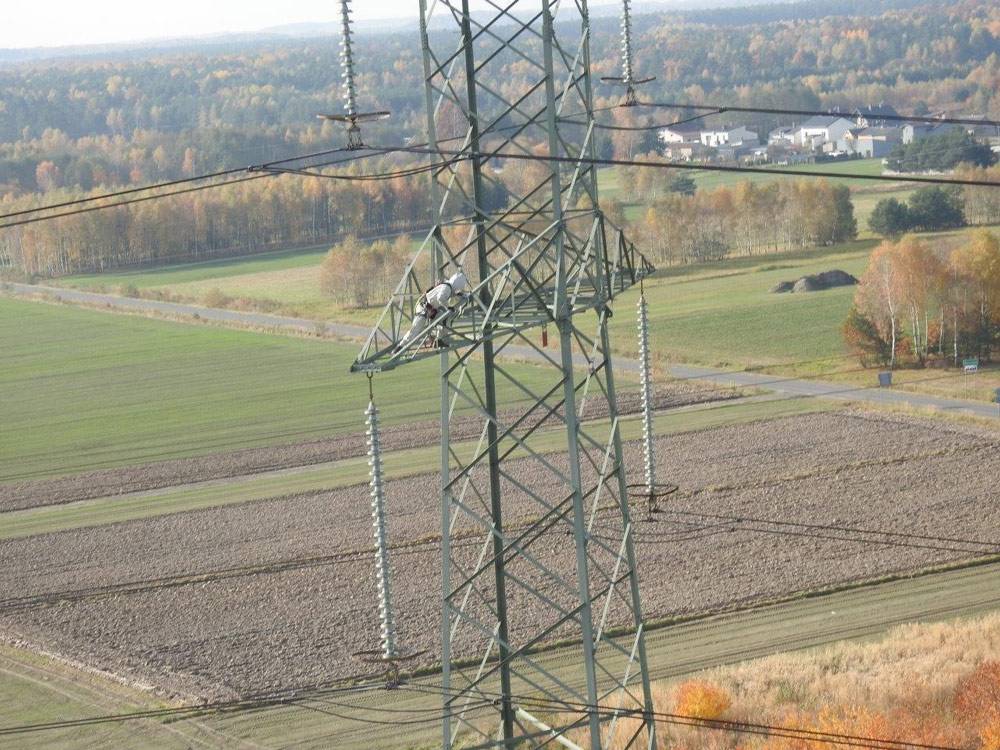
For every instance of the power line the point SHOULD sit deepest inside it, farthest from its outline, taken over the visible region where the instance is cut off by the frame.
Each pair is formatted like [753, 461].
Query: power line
[269, 167]
[259, 173]
[722, 108]
[486, 155]
[169, 183]
[118, 193]
[274, 167]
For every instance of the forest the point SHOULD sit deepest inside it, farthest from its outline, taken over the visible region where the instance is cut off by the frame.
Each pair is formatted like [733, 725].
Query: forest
[75, 126]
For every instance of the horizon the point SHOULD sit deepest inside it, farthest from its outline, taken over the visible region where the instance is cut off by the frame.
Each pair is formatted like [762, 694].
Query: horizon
[116, 22]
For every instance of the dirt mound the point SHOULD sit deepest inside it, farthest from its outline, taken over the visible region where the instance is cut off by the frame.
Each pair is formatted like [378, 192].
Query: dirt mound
[815, 282]
[836, 277]
[806, 284]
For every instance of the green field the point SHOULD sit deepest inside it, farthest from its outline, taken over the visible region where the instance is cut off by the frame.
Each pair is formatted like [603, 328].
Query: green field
[723, 314]
[609, 178]
[286, 281]
[87, 390]
[183, 273]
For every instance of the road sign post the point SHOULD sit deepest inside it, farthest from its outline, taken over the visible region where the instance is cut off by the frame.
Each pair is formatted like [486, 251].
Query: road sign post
[885, 379]
[970, 366]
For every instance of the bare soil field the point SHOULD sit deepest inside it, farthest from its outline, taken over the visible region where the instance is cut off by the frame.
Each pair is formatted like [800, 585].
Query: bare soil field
[280, 593]
[151, 476]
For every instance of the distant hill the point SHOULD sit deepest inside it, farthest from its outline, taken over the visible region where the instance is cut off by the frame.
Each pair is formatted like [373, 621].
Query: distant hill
[717, 12]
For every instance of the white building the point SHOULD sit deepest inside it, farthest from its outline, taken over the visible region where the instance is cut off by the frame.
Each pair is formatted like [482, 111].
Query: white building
[822, 129]
[677, 135]
[782, 136]
[738, 136]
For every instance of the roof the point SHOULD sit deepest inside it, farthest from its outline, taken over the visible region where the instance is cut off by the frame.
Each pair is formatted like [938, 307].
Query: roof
[880, 132]
[685, 128]
[876, 110]
[821, 121]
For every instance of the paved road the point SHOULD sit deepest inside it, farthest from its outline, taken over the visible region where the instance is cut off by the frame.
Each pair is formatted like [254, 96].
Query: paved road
[809, 388]
[789, 386]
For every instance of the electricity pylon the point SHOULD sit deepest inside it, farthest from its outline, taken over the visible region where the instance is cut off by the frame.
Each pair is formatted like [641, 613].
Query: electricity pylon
[537, 538]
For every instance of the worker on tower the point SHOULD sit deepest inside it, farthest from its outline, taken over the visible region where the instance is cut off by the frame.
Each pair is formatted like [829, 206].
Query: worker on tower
[434, 303]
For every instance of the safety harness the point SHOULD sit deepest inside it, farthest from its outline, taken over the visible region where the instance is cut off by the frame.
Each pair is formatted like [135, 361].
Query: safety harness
[430, 312]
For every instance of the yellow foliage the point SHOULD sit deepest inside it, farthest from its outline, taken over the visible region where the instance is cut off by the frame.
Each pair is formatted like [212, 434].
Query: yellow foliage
[702, 700]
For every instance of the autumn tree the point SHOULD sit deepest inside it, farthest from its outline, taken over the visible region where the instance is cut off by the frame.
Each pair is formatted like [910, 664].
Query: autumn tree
[701, 700]
[876, 295]
[914, 295]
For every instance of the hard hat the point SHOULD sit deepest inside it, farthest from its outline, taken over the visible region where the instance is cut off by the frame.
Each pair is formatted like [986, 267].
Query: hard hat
[458, 283]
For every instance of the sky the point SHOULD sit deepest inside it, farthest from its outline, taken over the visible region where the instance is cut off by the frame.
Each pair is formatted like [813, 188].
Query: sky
[33, 23]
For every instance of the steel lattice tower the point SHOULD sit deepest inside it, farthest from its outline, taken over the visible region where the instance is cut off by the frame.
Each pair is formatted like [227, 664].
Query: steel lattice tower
[537, 535]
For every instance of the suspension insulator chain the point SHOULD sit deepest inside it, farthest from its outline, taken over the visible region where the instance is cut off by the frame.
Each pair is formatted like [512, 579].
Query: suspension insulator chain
[627, 44]
[647, 397]
[382, 569]
[627, 79]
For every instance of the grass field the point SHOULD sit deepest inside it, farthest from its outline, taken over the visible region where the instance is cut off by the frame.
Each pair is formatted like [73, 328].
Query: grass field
[287, 281]
[723, 314]
[86, 390]
[183, 273]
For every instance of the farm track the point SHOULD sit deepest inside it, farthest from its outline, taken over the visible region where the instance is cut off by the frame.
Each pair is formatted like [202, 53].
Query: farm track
[235, 600]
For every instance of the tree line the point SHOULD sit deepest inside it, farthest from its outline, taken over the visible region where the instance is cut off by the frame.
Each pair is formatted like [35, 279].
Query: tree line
[746, 219]
[244, 218]
[918, 301]
[939, 153]
[937, 207]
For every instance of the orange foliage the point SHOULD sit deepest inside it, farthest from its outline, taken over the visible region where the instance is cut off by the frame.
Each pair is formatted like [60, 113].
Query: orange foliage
[989, 735]
[702, 700]
[977, 697]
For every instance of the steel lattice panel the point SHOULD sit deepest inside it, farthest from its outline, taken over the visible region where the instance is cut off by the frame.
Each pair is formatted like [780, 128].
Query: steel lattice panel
[537, 535]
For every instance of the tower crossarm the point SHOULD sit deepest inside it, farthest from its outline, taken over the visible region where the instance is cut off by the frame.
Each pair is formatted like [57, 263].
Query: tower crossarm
[517, 295]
